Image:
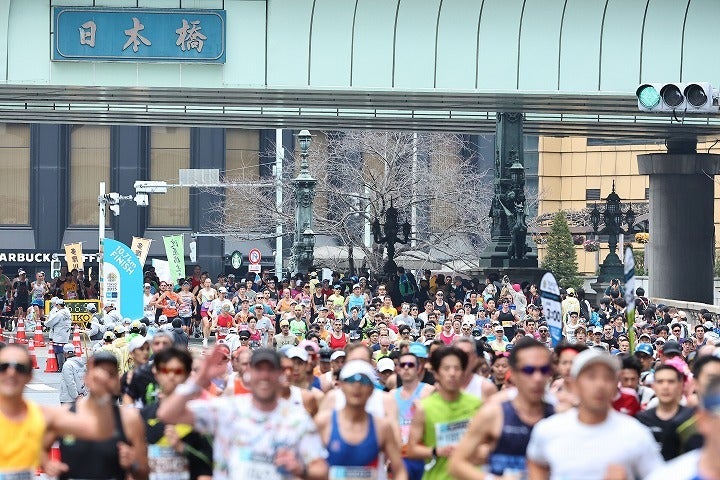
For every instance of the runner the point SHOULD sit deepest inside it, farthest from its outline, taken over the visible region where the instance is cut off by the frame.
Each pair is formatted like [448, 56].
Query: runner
[503, 428]
[665, 419]
[592, 440]
[441, 419]
[296, 395]
[703, 463]
[473, 383]
[23, 423]
[117, 455]
[205, 297]
[174, 451]
[412, 389]
[354, 437]
[187, 306]
[256, 436]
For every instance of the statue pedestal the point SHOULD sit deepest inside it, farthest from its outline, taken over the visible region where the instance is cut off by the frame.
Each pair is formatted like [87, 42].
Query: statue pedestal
[518, 274]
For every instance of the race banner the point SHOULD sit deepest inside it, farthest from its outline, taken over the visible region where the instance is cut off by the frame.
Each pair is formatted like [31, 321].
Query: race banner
[78, 310]
[175, 252]
[630, 295]
[141, 247]
[74, 256]
[123, 278]
[162, 270]
[550, 298]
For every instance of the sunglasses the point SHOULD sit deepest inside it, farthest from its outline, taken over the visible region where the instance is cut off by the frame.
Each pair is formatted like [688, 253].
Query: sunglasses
[407, 365]
[176, 371]
[544, 330]
[545, 370]
[20, 368]
[359, 378]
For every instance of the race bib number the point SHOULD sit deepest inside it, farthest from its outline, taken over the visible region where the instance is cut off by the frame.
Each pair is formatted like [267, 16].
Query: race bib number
[352, 473]
[507, 323]
[448, 434]
[23, 475]
[166, 464]
[405, 430]
[247, 465]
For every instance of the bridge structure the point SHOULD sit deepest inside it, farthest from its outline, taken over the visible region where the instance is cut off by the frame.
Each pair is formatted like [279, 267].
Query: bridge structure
[571, 67]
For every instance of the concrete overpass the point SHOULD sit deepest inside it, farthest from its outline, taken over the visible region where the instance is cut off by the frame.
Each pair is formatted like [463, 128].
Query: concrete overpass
[572, 66]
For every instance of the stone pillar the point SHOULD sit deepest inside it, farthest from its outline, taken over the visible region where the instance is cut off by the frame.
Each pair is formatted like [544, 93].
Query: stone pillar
[682, 245]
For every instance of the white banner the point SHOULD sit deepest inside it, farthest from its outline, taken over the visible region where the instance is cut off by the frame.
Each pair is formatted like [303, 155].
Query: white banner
[550, 298]
[162, 269]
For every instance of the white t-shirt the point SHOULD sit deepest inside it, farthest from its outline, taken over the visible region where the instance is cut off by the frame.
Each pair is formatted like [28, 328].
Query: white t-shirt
[575, 450]
[474, 388]
[684, 467]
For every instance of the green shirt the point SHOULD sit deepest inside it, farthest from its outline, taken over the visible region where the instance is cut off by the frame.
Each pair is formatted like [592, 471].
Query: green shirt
[445, 424]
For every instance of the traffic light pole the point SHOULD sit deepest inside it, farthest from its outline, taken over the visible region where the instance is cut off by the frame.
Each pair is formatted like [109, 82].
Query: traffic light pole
[102, 202]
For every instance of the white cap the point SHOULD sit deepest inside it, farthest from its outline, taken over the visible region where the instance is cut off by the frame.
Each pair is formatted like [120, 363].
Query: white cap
[222, 290]
[162, 319]
[137, 342]
[91, 307]
[127, 321]
[297, 352]
[60, 300]
[336, 355]
[53, 300]
[591, 357]
[358, 367]
[385, 364]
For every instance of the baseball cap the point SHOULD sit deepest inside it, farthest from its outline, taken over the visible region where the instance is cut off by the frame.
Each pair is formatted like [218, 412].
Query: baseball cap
[358, 367]
[645, 348]
[403, 328]
[336, 355]
[297, 352]
[109, 335]
[21, 272]
[146, 285]
[136, 343]
[305, 344]
[284, 323]
[68, 348]
[322, 309]
[244, 334]
[570, 291]
[418, 349]
[119, 329]
[385, 364]
[498, 328]
[597, 330]
[162, 319]
[60, 300]
[671, 346]
[593, 356]
[222, 290]
[265, 355]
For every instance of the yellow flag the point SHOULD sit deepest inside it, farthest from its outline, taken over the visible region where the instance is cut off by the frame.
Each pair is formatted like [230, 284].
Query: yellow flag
[74, 256]
[141, 246]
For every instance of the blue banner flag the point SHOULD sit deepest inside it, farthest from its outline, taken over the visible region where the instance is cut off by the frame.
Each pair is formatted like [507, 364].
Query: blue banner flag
[123, 278]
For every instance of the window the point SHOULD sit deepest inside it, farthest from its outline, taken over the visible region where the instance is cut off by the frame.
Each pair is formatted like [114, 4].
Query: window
[89, 165]
[592, 194]
[169, 152]
[15, 179]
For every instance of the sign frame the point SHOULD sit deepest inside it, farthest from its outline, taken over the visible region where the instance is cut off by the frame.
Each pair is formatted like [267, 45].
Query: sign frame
[254, 256]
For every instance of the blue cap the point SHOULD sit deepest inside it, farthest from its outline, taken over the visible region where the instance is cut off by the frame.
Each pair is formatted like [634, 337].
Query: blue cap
[645, 348]
[418, 349]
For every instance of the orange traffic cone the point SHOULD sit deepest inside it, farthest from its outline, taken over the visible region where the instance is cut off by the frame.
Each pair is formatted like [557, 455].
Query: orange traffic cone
[31, 351]
[76, 341]
[52, 363]
[20, 334]
[2, 335]
[39, 338]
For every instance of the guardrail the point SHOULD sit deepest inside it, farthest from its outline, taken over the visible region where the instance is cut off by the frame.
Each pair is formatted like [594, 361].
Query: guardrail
[692, 309]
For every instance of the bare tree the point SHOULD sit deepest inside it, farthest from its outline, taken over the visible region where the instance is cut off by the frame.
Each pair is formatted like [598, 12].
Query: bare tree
[432, 179]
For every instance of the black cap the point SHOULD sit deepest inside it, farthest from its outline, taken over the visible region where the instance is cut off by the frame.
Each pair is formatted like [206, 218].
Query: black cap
[325, 354]
[671, 346]
[265, 355]
[103, 356]
[244, 334]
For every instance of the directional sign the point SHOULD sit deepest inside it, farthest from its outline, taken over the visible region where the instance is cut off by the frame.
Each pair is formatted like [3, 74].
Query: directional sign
[254, 256]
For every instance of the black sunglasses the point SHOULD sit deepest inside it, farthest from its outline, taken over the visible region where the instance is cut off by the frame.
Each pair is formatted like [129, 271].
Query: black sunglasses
[545, 370]
[21, 368]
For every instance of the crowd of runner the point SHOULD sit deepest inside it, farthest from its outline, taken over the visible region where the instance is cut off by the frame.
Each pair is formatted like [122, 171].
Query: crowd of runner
[435, 378]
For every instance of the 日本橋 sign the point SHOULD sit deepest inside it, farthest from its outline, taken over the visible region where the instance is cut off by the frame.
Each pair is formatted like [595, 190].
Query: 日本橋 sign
[138, 35]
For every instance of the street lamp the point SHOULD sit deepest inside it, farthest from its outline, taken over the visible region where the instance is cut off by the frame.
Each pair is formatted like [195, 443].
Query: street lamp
[612, 218]
[304, 183]
[387, 235]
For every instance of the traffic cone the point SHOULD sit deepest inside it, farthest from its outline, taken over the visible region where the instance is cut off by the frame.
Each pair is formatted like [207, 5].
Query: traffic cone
[20, 334]
[39, 338]
[52, 365]
[2, 334]
[31, 351]
[76, 342]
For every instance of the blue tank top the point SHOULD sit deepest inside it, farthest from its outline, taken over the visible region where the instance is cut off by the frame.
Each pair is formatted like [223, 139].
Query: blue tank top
[358, 302]
[363, 454]
[406, 410]
[510, 450]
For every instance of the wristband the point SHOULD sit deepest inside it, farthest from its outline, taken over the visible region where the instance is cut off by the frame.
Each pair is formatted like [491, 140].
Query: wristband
[188, 388]
[434, 452]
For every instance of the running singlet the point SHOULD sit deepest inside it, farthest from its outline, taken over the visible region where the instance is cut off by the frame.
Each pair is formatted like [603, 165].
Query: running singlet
[357, 301]
[38, 292]
[406, 411]
[445, 424]
[509, 452]
[94, 459]
[337, 343]
[351, 461]
[21, 443]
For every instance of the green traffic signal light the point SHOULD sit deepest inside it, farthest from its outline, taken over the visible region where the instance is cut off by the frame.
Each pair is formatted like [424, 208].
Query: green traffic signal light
[648, 96]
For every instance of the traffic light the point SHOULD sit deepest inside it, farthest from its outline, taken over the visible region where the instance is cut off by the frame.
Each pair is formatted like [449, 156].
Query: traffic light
[698, 97]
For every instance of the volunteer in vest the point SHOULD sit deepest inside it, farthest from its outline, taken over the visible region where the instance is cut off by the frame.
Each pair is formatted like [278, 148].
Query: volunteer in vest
[256, 436]
[355, 438]
[503, 428]
[24, 424]
[174, 451]
[96, 328]
[442, 418]
[120, 453]
[408, 370]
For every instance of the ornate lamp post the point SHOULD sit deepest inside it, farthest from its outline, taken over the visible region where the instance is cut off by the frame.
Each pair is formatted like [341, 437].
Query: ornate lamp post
[388, 235]
[612, 217]
[304, 184]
